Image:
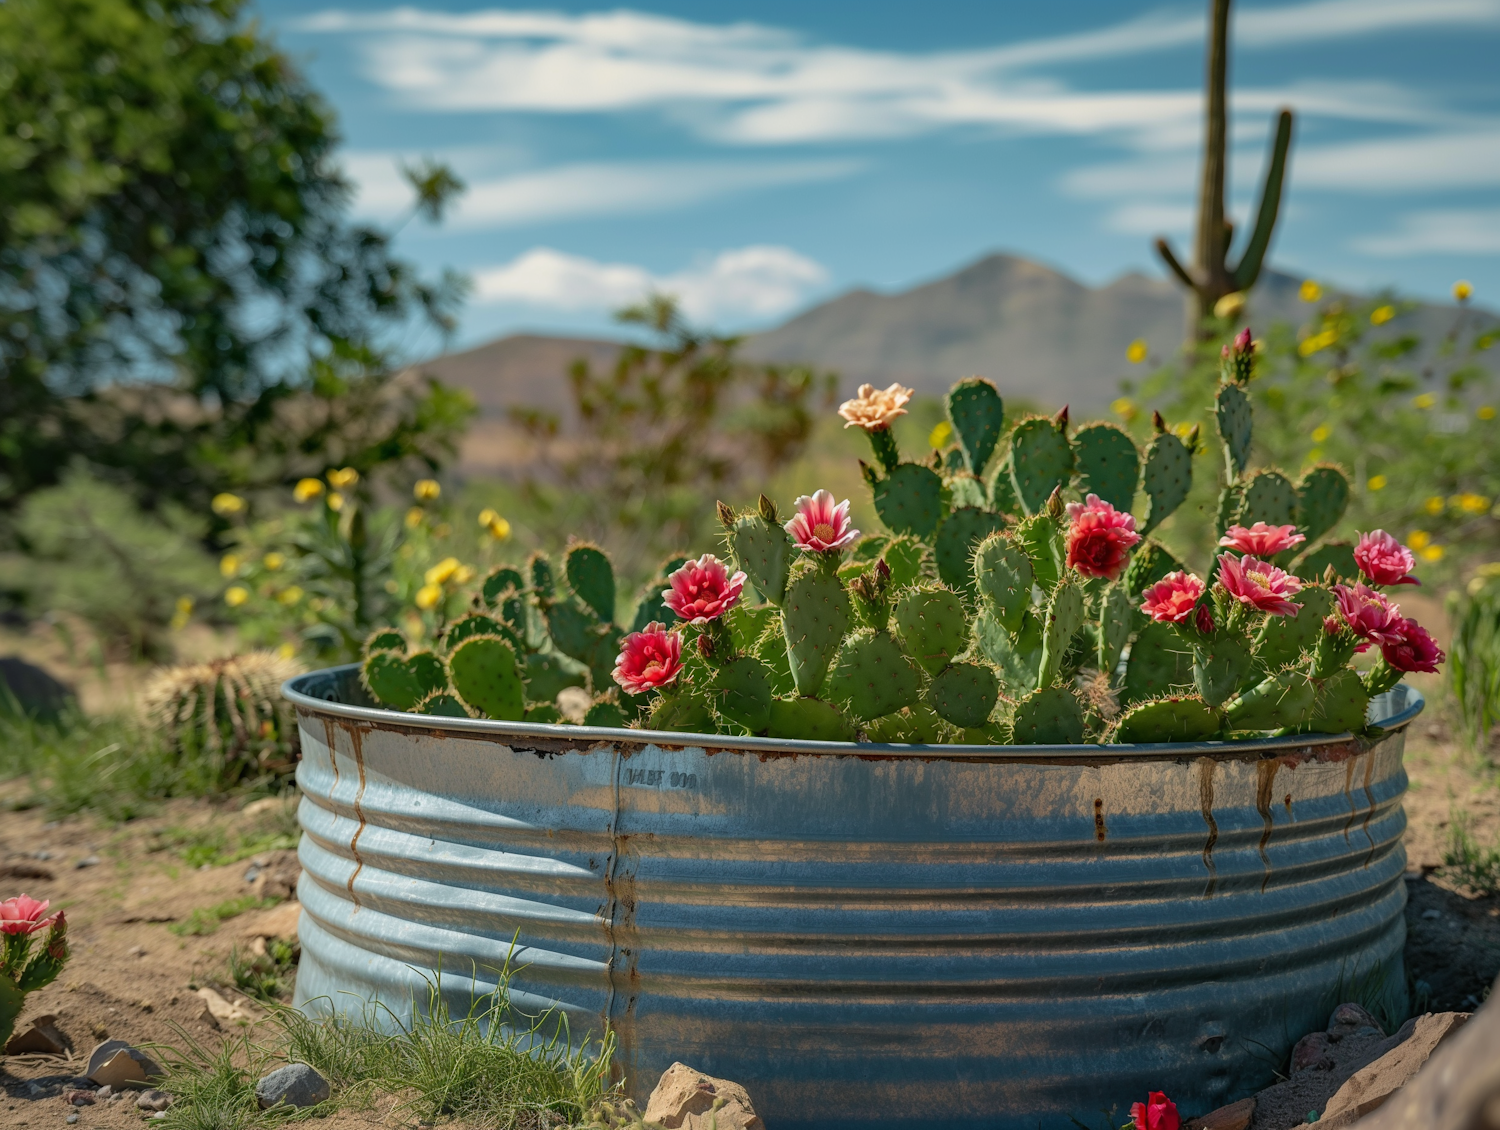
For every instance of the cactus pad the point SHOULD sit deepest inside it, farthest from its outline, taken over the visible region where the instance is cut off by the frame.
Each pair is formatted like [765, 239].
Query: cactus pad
[1115, 623]
[1282, 639]
[1003, 578]
[932, 625]
[1041, 460]
[476, 624]
[1228, 512]
[905, 557]
[978, 417]
[1180, 719]
[486, 679]
[1108, 464]
[498, 582]
[965, 490]
[548, 672]
[1160, 664]
[910, 500]
[1018, 655]
[1050, 716]
[681, 713]
[544, 712]
[1063, 619]
[964, 693]
[748, 622]
[1235, 424]
[385, 639]
[1002, 490]
[770, 649]
[1220, 667]
[1268, 498]
[762, 549]
[387, 676]
[1323, 496]
[442, 705]
[954, 548]
[1150, 564]
[1339, 554]
[1284, 699]
[1042, 540]
[574, 628]
[1342, 705]
[919, 725]
[540, 569]
[742, 693]
[873, 677]
[815, 615]
[592, 579]
[809, 718]
[650, 608]
[1167, 478]
[606, 714]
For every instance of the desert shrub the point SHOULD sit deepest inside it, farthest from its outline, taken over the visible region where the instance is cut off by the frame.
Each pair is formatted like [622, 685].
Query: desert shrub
[1474, 655]
[1467, 861]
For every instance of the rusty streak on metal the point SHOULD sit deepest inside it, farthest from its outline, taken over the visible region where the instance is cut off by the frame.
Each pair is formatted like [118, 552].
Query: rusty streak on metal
[1206, 767]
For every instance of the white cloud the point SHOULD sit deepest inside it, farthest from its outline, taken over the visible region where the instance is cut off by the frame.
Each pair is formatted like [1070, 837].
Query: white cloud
[1150, 218]
[1452, 232]
[573, 191]
[1469, 159]
[742, 285]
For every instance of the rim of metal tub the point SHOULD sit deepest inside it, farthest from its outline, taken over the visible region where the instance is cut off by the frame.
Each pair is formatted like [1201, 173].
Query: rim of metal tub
[1392, 710]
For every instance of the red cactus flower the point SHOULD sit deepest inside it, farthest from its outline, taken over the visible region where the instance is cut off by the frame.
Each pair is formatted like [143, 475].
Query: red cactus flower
[1413, 650]
[24, 915]
[648, 659]
[820, 526]
[1384, 559]
[1261, 540]
[1204, 620]
[1368, 613]
[1157, 1113]
[1172, 598]
[1099, 538]
[703, 590]
[1259, 584]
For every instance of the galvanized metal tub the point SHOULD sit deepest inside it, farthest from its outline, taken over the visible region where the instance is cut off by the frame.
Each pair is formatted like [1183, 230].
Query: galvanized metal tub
[863, 935]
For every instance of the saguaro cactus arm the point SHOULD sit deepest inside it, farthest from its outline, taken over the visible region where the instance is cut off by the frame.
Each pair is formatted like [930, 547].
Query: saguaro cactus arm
[1270, 204]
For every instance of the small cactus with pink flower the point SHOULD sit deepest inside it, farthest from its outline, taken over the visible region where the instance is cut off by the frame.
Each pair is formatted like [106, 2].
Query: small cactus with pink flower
[1015, 595]
[33, 951]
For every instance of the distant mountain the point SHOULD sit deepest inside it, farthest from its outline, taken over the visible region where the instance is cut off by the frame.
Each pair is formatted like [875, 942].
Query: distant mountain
[1032, 330]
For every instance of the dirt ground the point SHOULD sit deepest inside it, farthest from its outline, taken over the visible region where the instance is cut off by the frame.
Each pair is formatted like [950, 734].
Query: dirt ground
[132, 977]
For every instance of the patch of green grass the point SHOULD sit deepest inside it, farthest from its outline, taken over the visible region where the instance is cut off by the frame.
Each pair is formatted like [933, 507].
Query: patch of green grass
[205, 920]
[215, 1089]
[212, 845]
[267, 977]
[1475, 867]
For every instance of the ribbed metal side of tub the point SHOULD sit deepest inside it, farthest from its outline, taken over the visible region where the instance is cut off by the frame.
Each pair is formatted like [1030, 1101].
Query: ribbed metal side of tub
[949, 938]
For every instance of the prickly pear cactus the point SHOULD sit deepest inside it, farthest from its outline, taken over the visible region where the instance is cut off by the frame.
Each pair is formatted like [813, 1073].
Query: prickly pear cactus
[1041, 461]
[811, 719]
[592, 578]
[978, 417]
[956, 540]
[1152, 562]
[1173, 719]
[815, 617]
[1335, 555]
[1232, 412]
[873, 676]
[443, 705]
[1220, 665]
[1167, 478]
[1108, 464]
[1041, 539]
[1285, 639]
[1283, 700]
[486, 678]
[1322, 498]
[1160, 664]
[964, 694]
[1050, 716]
[932, 625]
[1003, 578]
[742, 693]
[910, 499]
[1342, 704]
[762, 549]
[1064, 618]
[1269, 498]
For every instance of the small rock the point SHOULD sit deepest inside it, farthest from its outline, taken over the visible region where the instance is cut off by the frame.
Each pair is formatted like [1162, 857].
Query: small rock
[43, 855]
[136, 951]
[685, 1099]
[296, 1085]
[104, 1092]
[153, 1100]
[79, 1098]
[278, 922]
[1235, 1116]
[87, 861]
[1311, 1053]
[72, 1118]
[42, 1037]
[220, 1010]
[115, 1062]
[264, 805]
[278, 876]
[1348, 1019]
[251, 872]
[1430, 915]
[159, 1115]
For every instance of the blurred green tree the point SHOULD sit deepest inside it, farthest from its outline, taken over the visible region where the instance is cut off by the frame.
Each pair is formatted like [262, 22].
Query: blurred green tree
[182, 296]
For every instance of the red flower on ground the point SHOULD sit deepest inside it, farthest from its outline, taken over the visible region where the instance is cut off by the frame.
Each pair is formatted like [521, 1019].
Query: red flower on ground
[820, 526]
[1384, 559]
[1259, 584]
[1172, 598]
[703, 590]
[1368, 613]
[1157, 1113]
[1261, 540]
[1413, 650]
[24, 915]
[648, 659]
[1099, 538]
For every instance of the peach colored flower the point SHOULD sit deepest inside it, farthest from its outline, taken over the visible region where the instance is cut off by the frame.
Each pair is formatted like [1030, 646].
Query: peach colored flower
[648, 659]
[819, 526]
[703, 590]
[1099, 538]
[875, 408]
[1172, 598]
[1261, 540]
[1259, 584]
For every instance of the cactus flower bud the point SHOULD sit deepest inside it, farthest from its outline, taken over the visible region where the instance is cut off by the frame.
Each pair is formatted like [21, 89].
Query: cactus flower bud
[1061, 419]
[767, 509]
[1157, 423]
[726, 516]
[1203, 620]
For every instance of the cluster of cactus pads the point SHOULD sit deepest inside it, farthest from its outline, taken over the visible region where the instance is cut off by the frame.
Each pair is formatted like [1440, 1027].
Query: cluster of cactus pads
[1012, 602]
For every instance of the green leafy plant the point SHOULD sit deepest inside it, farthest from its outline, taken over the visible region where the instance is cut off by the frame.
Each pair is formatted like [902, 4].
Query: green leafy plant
[206, 920]
[1467, 861]
[268, 976]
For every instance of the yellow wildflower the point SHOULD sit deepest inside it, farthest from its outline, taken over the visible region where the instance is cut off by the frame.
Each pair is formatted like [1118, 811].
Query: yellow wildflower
[229, 565]
[442, 571]
[226, 504]
[487, 515]
[236, 595]
[941, 435]
[290, 595]
[1424, 400]
[1418, 539]
[1471, 503]
[335, 501]
[1463, 290]
[428, 596]
[875, 408]
[1433, 505]
[1230, 305]
[1314, 455]
[343, 479]
[1136, 351]
[287, 651]
[426, 490]
[1182, 430]
[1309, 291]
[183, 614]
[307, 489]
[463, 575]
[1317, 342]
[499, 528]
[1381, 315]
[414, 517]
[1321, 433]
[1376, 482]
[1432, 553]
[1485, 411]
[273, 560]
[1124, 408]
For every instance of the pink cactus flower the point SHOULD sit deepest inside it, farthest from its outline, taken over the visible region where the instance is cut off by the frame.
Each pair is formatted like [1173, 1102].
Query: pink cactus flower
[1261, 540]
[1259, 584]
[1242, 343]
[24, 915]
[1368, 613]
[819, 526]
[648, 659]
[1172, 598]
[1099, 538]
[1384, 559]
[1157, 1113]
[703, 590]
[1413, 650]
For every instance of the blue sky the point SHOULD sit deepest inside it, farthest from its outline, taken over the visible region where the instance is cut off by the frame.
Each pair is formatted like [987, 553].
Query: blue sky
[757, 157]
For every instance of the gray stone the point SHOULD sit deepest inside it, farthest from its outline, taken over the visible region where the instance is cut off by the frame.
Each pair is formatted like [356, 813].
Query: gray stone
[72, 1118]
[116, 1062]
[153, 1100]
[296, 1084]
